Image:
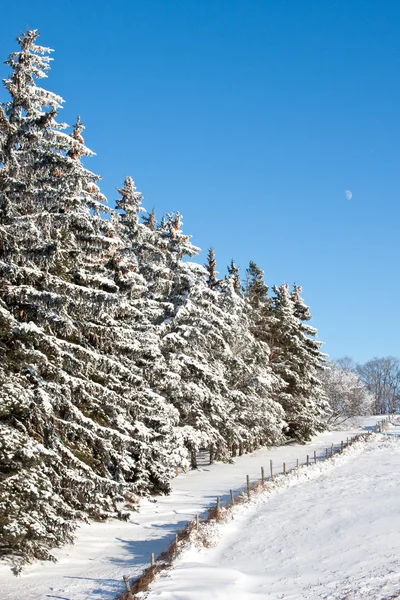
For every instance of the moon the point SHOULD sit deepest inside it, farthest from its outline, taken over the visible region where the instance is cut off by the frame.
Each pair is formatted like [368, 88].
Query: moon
[348, 194]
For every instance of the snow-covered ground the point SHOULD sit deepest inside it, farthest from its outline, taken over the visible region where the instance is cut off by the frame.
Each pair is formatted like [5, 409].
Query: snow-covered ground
[332, 534]
[93, 567]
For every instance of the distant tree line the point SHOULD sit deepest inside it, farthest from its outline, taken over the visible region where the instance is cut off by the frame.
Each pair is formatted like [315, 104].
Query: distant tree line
[381, 377]
[119, 357]
[359, 389]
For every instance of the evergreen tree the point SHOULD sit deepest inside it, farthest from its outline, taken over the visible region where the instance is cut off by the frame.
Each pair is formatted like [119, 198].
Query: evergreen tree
[130, 204]
[150, 220]
[296, 358]
[256, 293]
[179, 245]
[211, 268]
[35, 151]
[256, 289]
[234, 274]
[186, 380]
[139, 345]
[163, 224]
[258, 418]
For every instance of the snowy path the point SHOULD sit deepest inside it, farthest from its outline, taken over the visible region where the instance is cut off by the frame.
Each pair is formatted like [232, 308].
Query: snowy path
[93, 567]
[332, 535]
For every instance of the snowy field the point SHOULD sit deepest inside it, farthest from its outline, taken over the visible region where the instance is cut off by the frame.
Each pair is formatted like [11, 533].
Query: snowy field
[93, 567]
[332, 534]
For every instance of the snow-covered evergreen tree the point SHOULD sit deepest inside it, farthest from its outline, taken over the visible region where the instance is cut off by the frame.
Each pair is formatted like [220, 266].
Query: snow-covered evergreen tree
[211, 268]
[256, 291]
[253, 385]
[234, 274]
[150, 220]
[296, 358]
[136, 262]
[295, 355]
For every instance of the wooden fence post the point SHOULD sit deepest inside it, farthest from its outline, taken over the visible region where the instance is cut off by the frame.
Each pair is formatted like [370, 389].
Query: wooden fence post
[326, 453]
[341, 446]
[248, 485]
[332, 450]
[272, 470]
[284, 468]
[197, 522]
[262, 475]
[308, 461]
[297, 463]
[152, 559]
[232, 497]
[128, 587]
[315, 456]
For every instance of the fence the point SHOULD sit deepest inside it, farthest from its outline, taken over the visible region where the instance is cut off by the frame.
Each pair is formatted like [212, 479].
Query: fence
[236, 496]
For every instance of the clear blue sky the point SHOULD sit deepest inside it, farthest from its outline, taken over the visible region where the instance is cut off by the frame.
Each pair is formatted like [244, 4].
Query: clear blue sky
[251, 117]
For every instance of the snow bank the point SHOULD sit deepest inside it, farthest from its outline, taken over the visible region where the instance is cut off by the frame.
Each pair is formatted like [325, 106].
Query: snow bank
[104, 552]
[332, 536]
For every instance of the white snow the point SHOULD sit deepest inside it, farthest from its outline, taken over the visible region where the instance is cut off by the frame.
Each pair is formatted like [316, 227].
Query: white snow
[25, 328]
[93, 567]
[331, 533]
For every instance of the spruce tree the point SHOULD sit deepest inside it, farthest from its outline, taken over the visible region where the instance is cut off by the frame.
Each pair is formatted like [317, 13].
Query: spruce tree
[139, 342]
[234, 274]
[34, 147]
[186, 381]
[258, 418]
[150, 220]
[130, 204]
[211, 268]
[296, 358]
[256, 293]
[256, 289]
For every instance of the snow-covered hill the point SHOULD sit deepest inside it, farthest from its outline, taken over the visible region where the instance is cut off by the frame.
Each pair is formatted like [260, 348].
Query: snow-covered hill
[332, 534]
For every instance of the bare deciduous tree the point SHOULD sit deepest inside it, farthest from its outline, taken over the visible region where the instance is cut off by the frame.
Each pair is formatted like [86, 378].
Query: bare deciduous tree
[382, 378]
[346, 362]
